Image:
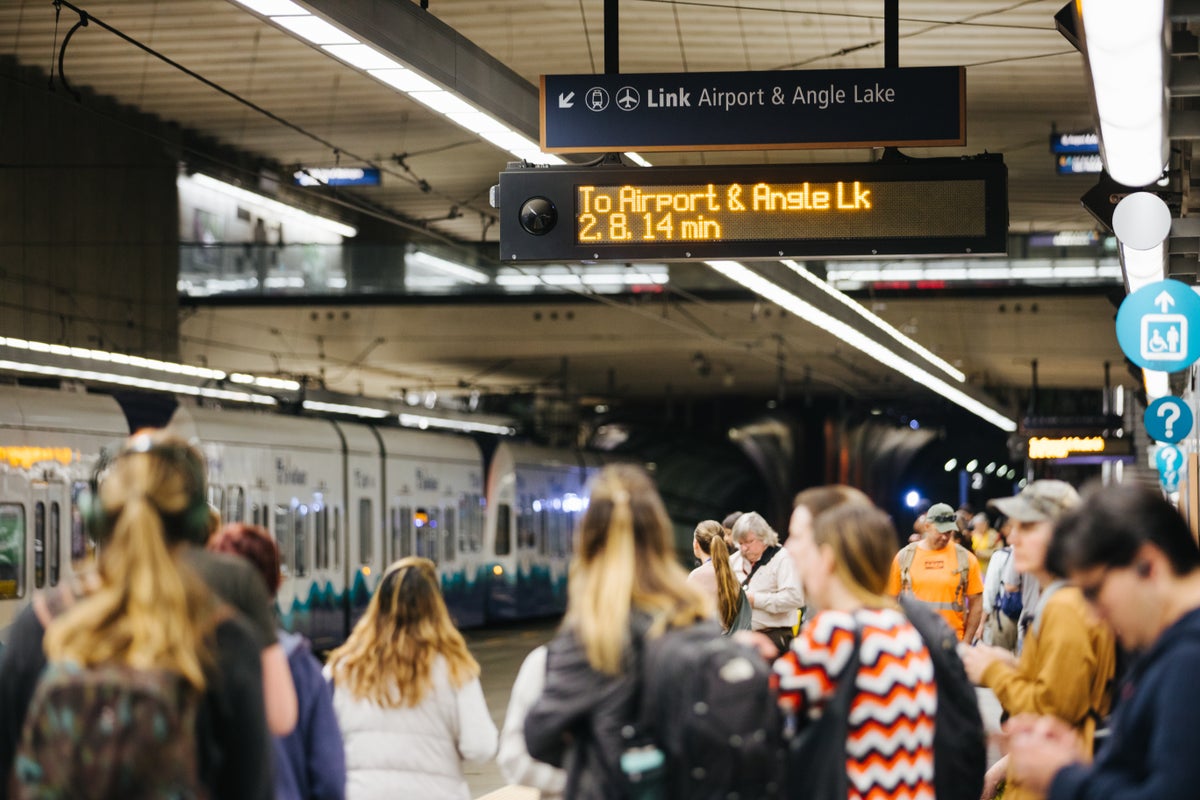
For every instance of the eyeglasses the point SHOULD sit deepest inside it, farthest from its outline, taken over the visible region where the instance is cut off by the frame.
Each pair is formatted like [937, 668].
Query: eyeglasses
[1091, 591]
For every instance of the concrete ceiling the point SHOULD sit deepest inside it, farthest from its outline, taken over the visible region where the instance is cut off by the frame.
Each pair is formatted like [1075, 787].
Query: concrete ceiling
[1023, 78]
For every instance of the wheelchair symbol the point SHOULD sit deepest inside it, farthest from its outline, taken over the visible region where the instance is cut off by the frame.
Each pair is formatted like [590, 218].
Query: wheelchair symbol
[1164, 337]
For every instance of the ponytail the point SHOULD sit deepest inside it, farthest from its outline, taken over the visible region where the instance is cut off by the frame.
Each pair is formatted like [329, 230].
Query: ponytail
[729, 591]
[147, 612]
[601, 597]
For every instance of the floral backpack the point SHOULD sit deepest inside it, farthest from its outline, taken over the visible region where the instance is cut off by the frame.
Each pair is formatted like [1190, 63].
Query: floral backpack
[107, 731]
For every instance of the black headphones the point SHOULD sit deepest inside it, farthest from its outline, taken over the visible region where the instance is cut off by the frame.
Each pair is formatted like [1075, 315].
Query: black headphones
[190, 523]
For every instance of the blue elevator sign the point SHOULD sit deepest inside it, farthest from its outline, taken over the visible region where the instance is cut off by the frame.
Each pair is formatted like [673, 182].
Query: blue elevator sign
[1158, 326]
[916, 106]
[1168, 419]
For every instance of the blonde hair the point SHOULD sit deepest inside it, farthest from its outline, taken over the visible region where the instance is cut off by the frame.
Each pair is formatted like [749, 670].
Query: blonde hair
[388, 658]
[710, 535]
[863, 541]
[624, 560]
[147, 612]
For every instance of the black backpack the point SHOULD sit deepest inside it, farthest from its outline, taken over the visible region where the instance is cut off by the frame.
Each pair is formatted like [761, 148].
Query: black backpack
[709, 704]
[959, 741]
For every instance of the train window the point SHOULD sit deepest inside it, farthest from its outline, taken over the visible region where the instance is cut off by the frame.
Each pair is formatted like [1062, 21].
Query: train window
[405, 543]
[79, 538]
[39, 545]
[12, 551]
[391, 548]
[256, 514]
[365, 515]
[235, 504]
[284, 538]
[425, 522]
[451, 544]
[216, 499]
[321, 538]
[55, 542]
[524, 523]
[336, 535]
[503, 529]
[543, 530]
[303, 528]
[477, 517]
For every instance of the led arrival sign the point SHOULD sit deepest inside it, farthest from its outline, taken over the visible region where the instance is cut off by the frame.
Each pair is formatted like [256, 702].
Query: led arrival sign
[754, 211]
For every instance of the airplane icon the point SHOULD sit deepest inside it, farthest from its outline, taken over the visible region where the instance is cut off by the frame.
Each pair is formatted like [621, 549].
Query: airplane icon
[628, 98]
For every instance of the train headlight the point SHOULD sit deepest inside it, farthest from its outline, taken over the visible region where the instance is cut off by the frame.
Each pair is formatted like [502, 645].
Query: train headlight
[497, 570]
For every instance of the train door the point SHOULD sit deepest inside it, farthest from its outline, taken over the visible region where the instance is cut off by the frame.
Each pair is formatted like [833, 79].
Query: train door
[49, 499]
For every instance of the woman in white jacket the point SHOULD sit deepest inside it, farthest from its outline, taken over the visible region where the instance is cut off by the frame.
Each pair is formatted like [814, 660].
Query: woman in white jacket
[407, 694]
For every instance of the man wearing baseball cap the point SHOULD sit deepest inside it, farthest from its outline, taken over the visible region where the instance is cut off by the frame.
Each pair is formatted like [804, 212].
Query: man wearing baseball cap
[940, 573]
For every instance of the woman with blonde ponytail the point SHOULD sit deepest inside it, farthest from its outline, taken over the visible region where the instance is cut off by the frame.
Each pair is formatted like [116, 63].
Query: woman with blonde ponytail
[625, 587]
[145, 612]
[715, 577]
[407, 694]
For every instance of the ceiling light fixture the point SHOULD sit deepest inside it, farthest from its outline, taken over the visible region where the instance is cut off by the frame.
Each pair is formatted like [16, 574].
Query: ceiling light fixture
[424, 422]
[875, 320]
[860, 341]
[1158, 384]
[129, 380]
[345, 408]
[347, 48]
[281, 209]
[1142, 223]
[461, 271]
[1124, 46]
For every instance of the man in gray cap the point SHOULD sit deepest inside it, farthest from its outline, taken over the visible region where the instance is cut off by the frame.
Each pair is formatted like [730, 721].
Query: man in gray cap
[940, 573]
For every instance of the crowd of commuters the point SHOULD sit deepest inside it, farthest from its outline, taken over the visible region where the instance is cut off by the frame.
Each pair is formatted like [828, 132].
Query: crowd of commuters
[162, 674]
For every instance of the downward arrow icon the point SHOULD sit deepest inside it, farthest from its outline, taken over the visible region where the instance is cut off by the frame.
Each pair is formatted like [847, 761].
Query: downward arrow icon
[566, 100]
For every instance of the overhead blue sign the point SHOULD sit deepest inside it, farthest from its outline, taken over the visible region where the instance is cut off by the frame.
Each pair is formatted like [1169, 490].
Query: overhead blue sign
[1169, 460]
[917, 106]
[1168, 419]
[337, 176]
[1158, 326]
[1075, 142]
[1078, 164]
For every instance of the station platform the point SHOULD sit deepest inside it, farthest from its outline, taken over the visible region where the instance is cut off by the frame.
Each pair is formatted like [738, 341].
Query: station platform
[500, 651]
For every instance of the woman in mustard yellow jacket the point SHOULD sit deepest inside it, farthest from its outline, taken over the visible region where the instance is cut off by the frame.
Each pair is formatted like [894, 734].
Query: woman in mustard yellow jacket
[1068, 656]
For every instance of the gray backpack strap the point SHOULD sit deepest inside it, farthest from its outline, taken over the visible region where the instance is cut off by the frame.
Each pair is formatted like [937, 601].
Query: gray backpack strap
[1043, 599]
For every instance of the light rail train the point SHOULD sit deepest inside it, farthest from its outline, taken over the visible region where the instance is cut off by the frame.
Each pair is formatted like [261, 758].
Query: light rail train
[342, 499]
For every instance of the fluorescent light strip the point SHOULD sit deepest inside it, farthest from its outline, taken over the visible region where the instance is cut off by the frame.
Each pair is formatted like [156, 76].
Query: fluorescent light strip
[141, 383]
[385, 69]
[1125, 56]
[266, 383]
[421, 421]
[114, 358]
[342, 408]
[460, 271]
[1158, 384]
[637, 159]
[860, 341]
[975, 273]
[858, 309]
[282, 209]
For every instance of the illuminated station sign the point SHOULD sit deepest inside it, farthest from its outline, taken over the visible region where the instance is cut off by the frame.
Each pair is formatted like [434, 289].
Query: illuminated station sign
[936, 206]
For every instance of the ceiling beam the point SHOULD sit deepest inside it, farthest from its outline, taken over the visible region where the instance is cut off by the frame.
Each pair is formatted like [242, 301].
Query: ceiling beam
[431, 47]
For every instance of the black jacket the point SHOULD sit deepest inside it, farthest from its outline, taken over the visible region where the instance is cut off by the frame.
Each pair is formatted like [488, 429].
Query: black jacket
[577, 722]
